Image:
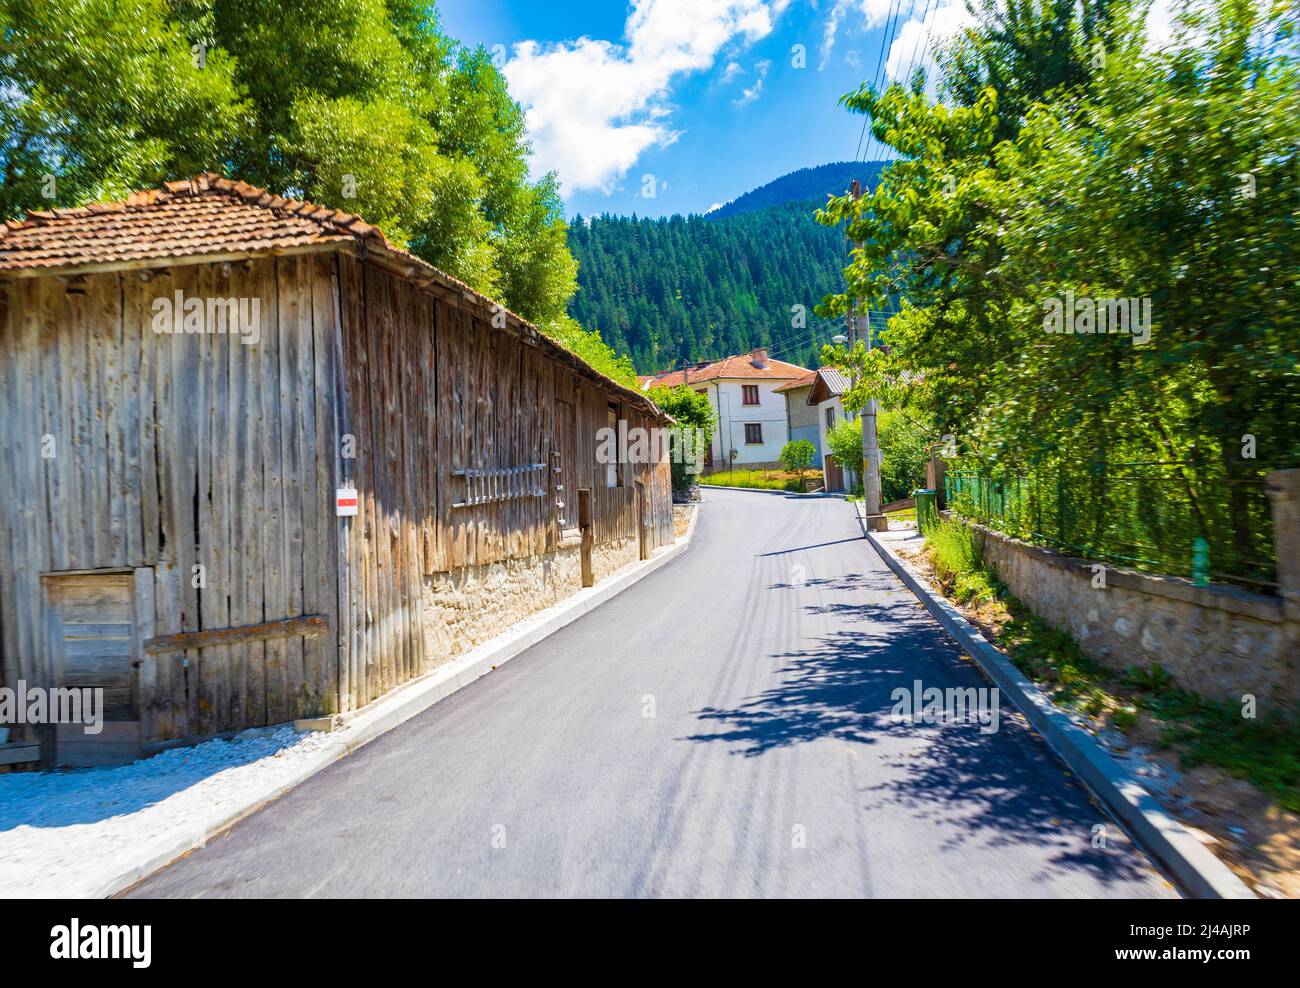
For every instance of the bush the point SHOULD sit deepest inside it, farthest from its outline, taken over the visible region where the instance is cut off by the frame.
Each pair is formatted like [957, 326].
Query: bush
[845, 442]
[903, 455]
[797, 456]
[903, 452]
[953, 549]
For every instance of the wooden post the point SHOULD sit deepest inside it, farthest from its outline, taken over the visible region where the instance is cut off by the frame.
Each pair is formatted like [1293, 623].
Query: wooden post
[934, 471]
[875, 521]
[588, 535]
[642, 522]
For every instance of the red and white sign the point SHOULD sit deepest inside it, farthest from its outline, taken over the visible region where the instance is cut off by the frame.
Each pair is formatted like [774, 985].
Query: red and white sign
[346, 502]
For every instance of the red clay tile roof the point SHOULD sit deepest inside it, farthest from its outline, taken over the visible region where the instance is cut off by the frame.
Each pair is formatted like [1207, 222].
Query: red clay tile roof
[806, 381]
[729, 368]
[206, 214]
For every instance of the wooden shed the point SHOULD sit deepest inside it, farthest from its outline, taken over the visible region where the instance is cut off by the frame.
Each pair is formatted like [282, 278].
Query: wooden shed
[192, 380]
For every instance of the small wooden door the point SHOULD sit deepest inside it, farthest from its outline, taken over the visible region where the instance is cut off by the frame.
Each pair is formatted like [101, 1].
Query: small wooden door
[834, 475]
[94, 643]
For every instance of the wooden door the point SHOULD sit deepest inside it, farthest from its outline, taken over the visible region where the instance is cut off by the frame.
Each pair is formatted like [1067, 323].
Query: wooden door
[95, 644]
[834, 475]
[566, 477]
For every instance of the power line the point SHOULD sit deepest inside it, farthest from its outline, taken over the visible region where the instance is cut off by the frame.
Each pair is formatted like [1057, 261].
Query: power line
[904, 76]
[880, 60]
[925, 46]
[890, 35]
[912, 63]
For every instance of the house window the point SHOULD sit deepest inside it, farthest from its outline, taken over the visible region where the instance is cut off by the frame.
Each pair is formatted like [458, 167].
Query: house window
[749, 394]
[701, 391]
[613, 471]
[830, 417]
[753, 433]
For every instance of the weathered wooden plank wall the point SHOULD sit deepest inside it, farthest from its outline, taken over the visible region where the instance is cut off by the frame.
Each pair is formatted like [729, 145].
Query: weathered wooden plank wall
[171, 452]
[432, 390]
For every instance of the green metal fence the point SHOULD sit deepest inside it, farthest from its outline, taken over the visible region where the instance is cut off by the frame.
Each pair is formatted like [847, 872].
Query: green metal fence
[1139, 515]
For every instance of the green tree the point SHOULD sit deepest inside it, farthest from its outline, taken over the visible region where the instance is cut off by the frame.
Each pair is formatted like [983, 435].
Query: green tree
[687, 288]
[904, 452]
[797, 455]
[103, 97]
[1167, 176]
[695, 425]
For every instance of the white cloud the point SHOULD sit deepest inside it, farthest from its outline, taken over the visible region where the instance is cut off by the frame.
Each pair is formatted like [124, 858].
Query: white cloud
[753, 91]
[917, 41]
[873, 14]
[593, 107]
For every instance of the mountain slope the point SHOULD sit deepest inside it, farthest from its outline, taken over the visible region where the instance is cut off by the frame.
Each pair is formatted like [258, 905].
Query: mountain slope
[810, 185]
[695, 287]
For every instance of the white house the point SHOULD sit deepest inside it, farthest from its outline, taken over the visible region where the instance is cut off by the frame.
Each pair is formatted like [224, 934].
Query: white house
[753, 422]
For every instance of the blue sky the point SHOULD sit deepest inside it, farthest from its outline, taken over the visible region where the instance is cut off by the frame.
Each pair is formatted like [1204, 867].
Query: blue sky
[704, 96]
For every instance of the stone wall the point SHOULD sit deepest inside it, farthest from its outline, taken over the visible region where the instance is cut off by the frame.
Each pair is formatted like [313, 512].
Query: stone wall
[1218, 641]
[465, 608]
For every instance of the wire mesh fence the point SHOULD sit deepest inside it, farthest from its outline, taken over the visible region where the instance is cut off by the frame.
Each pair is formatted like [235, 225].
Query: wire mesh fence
[1142, 515]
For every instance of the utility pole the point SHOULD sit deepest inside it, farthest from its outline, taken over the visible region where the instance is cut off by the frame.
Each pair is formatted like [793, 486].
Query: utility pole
[876, 521]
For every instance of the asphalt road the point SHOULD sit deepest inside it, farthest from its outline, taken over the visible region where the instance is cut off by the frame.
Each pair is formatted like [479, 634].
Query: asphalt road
[722, 728]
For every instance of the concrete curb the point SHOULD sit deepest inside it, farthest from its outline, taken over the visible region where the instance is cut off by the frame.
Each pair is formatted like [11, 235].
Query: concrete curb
[396, 708]
[1197, 871]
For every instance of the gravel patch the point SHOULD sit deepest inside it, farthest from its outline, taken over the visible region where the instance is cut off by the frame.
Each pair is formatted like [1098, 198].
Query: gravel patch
[62, 833]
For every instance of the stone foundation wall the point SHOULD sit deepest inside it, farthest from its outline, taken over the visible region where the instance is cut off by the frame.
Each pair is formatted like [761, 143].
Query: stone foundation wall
[1220, 642]
[467, 607]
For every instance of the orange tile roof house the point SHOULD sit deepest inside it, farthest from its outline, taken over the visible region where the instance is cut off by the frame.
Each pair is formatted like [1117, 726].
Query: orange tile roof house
[753, 424]
[258, 462]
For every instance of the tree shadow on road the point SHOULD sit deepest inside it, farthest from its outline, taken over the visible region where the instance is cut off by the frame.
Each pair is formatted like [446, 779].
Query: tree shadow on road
[833, 691]
[991, 789]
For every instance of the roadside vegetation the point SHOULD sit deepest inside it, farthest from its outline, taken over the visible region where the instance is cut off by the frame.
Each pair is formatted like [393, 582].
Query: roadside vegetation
[770, 480]
[797, 456]
[1264, 752]
[1065, 163]
[904, 441]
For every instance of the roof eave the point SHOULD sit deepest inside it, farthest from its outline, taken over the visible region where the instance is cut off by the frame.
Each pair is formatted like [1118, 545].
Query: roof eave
[171, 261]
